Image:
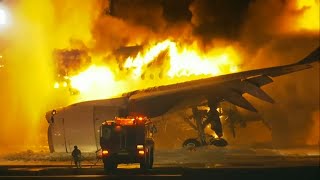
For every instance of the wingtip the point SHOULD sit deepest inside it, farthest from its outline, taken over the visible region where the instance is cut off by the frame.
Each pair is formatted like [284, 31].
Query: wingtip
[314, 56]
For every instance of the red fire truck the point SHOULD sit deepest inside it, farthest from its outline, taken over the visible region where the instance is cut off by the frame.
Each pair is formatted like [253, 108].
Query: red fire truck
[127, 140]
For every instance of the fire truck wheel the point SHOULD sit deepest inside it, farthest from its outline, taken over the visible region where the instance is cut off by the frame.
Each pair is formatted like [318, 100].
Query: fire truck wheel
[109, 166]
[146, 164]
[151, 158]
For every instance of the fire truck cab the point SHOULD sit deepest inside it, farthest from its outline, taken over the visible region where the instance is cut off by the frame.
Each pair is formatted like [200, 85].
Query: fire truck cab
[127, 140]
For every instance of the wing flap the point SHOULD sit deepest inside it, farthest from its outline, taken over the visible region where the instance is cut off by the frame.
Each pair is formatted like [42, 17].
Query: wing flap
[256, 91]
[260, 80]
[246, 86]
[237, 99]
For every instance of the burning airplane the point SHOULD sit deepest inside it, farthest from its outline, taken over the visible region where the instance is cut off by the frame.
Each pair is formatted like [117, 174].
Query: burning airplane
[79, 123]
[102, 50]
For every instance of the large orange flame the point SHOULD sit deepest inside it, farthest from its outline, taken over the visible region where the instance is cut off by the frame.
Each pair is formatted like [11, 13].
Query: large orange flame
[309, 18]
[98, 82]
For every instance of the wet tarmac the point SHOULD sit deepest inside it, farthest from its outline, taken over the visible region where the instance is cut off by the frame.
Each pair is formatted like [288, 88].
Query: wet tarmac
[286, 172]
[181, 164]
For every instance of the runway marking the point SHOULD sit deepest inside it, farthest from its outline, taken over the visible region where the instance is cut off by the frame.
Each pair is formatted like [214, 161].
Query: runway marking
[26, 169]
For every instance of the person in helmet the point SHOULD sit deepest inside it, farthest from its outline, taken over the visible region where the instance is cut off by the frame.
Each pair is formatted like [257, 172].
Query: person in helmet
[76, 154]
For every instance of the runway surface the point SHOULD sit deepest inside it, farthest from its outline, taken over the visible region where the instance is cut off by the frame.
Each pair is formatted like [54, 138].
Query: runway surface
[225, 163]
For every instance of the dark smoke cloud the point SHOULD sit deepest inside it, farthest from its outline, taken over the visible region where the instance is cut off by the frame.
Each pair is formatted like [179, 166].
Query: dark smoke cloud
[268, 21]
[209, 18]
[155, 14]
[218, 18]
[141, 12]
[177, 11]
[111, 33]
[251, 22]
[265, 33]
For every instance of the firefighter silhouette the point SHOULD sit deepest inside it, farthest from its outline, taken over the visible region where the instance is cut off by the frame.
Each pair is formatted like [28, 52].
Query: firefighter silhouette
[76, 154]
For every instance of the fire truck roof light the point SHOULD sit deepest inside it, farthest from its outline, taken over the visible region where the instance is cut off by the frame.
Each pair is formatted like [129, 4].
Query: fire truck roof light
[122, 121]
[108, 122]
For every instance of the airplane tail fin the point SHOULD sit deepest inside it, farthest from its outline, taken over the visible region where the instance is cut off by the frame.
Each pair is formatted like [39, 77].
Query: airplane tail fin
[312, 57]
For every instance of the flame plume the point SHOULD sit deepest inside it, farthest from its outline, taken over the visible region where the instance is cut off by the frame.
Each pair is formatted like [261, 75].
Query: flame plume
[98, 82]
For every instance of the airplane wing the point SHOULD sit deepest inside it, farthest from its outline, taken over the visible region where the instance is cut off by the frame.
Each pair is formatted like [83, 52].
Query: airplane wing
[230, 87]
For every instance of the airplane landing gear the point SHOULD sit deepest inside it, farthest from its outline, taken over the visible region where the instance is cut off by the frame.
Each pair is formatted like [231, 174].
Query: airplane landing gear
[212, 117]
[220, 142]
[191, 143]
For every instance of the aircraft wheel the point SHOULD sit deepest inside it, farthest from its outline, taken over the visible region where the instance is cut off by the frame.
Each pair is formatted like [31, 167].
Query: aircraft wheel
[219, 142]
[191, 143]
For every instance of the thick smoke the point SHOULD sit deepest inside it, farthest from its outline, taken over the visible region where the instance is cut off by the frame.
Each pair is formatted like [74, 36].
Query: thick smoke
[218, 19]
[142, 12]
[271, 38]
[140, 22]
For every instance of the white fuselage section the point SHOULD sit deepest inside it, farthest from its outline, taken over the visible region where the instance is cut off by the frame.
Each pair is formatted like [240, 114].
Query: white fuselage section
[79, 124]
